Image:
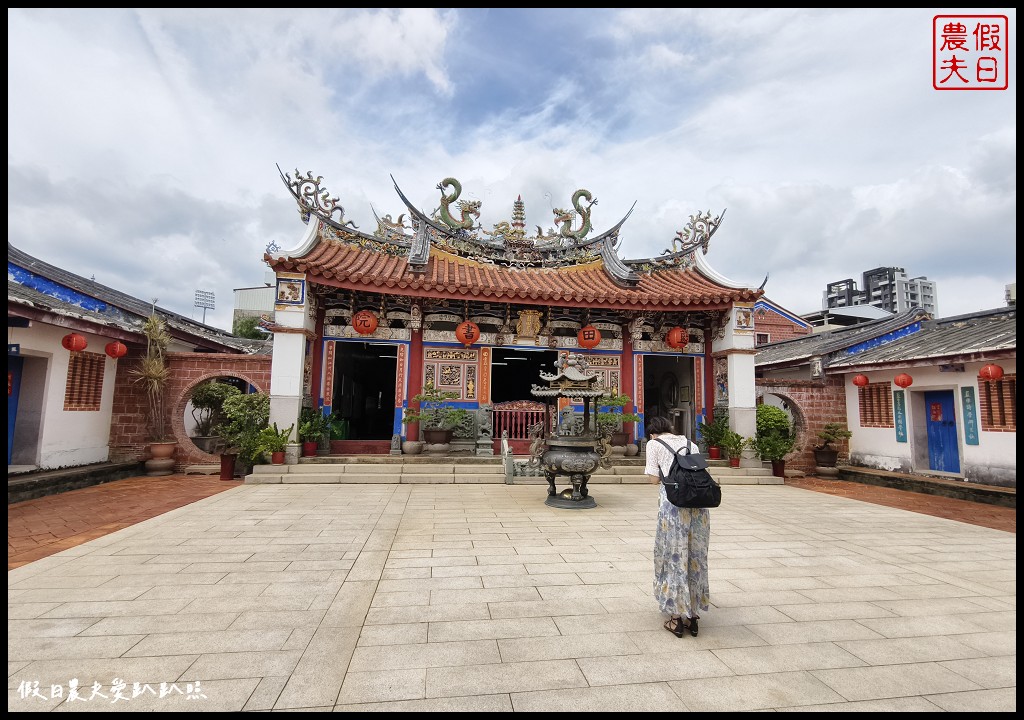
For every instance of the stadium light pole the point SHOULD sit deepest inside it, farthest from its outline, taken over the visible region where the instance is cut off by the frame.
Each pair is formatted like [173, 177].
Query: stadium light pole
[204, 300]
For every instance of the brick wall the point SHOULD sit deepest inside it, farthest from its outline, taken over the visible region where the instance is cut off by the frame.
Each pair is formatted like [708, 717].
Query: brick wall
[812, 403]
[128, 427]
[776, 326]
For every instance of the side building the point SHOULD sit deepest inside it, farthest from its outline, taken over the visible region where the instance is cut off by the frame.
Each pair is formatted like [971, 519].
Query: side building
[72, 342]
[923, 396]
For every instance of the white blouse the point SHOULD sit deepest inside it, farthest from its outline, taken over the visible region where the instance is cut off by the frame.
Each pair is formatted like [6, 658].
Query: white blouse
[659, 456]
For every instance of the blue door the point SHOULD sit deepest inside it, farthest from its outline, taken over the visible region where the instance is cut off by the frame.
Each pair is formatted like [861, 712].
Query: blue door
[13, 388]
[943, 450]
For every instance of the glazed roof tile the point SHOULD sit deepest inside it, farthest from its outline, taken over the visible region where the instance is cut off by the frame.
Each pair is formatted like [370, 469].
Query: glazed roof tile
[348, 266]
[115, 309]
[963, 337]
[840, 340]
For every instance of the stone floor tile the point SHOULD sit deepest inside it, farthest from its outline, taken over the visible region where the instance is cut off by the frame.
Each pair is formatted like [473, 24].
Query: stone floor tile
[745, 693]
[647, 697]
[474, 703]
[424, 655]
[882, 681]
[503, 678]
[228, 665]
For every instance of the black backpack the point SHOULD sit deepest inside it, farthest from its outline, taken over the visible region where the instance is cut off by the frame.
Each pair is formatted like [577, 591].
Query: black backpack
[689, 484]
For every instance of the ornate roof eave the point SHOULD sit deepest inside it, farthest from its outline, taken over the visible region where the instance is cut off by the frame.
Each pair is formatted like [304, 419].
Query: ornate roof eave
[616, 268]
[704, 268]
[420, 252]
[315, 200]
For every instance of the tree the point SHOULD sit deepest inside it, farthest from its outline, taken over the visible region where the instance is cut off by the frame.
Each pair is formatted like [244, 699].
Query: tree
[248, 326]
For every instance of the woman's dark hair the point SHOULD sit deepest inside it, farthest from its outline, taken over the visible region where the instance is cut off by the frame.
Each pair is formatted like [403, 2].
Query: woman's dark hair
[657, 425]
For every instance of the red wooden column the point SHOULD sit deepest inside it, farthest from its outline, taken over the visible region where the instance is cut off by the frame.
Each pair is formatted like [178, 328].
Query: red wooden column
[709, 376]
[412, 432]
[626, 374]
[317, 360]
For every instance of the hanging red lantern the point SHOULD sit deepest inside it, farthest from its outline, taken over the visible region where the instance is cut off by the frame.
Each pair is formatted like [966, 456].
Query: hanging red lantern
[116, 349]
[677, 338]
[991, 372]
[364, 322]
[74, 342]
[467, 333]
[860, 380]
[903, 380]
[588, 337]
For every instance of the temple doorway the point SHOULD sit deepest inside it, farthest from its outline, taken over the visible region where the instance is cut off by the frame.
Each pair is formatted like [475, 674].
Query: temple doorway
[514, 371]
[668, 391]
[364, 388]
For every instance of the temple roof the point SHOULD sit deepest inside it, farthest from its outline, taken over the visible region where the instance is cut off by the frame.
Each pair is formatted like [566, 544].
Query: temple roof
[440, 255]
[446, 275]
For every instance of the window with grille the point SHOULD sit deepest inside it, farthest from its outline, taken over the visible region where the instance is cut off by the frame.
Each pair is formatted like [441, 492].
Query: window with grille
[84, 388]
[762, 338]
[875, 400]
[997, 404]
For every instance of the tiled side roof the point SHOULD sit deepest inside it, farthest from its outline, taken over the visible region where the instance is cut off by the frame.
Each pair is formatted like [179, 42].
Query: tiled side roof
[824, 343]
[451, 275]
[122, 311]
[974, 336]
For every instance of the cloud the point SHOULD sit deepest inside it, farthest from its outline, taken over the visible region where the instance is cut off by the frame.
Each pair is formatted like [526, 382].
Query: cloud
[142, 143]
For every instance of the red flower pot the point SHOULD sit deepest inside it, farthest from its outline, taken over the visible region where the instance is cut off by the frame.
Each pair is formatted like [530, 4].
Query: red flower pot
[309, 448]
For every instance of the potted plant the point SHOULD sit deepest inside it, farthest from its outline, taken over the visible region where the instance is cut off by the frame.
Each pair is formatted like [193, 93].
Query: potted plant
[313, 425]
[775, 437]
[153, 374]
[436, 414]
[733, 443]
[610, 418]
[207, 403]
[271, 443]
[245, 418]
[712, 434]
[826, 452]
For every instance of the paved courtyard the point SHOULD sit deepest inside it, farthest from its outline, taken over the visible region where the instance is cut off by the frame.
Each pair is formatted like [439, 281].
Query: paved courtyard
[479, 597]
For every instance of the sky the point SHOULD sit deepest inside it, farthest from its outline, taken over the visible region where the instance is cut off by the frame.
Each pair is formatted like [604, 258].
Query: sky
[143, 144]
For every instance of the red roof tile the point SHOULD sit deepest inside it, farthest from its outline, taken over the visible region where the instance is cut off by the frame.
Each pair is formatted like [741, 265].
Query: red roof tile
[334, 263]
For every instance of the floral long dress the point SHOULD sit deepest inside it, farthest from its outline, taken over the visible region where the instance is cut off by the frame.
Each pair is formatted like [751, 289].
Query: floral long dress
[681, 543]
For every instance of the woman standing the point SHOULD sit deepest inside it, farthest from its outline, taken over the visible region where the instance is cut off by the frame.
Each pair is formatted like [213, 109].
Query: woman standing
[680, 541]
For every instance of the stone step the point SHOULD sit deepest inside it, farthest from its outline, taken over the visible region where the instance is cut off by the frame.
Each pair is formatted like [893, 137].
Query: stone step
[422, 478]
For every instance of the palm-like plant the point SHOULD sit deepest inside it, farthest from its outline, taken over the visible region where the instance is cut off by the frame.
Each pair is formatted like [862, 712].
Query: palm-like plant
[153, 374]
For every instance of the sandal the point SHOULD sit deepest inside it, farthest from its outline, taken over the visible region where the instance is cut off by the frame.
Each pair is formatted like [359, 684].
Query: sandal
[692, 624]
[675, 626]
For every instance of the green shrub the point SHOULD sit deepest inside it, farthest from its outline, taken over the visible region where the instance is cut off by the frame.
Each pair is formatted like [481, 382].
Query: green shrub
[246, 417]
[208, 403]
[775, 437]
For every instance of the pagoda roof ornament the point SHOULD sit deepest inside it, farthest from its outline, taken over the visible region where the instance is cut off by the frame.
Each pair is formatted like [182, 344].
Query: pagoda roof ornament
[453, 230]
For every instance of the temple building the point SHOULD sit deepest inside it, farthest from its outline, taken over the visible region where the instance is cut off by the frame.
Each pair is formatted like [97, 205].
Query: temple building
[363, 321]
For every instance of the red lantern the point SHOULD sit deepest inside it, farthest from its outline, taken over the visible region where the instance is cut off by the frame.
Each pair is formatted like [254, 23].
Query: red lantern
[588, 337]
[74, 342]
[364, 322]
[860, 380]
[115, 349]
[903, 380]
[677, 338]
[991, 372]
[467, 333]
